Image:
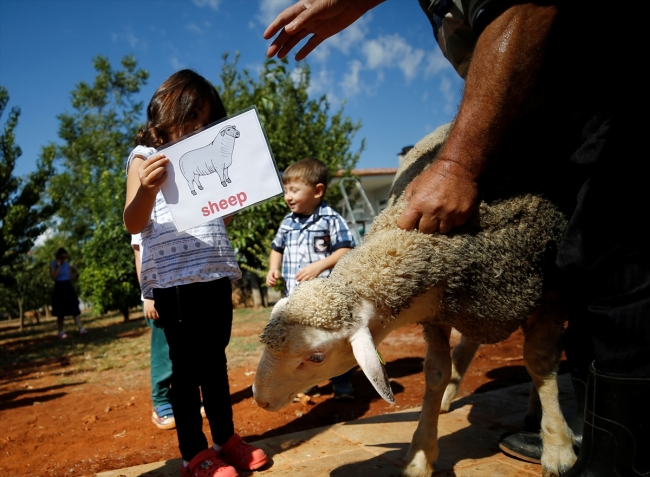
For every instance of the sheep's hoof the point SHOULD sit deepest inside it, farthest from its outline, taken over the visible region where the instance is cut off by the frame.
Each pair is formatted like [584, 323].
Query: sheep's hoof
[223, 183]
[200, 187]
[228, 181]
[193, 192]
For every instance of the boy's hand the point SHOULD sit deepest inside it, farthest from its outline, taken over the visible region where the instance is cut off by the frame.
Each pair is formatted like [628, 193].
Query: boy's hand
[272, 277]
[150, 310]
[153, 172]
[310, 271]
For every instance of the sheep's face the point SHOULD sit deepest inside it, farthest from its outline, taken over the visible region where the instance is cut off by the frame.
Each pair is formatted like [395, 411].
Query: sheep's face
[308, 356]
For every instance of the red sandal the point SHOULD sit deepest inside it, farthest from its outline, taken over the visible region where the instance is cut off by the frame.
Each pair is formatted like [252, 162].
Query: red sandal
[208, 464]
[242, 455]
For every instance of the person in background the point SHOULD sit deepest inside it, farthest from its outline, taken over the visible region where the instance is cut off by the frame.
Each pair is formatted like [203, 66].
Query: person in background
[64, 298]
[311, 239]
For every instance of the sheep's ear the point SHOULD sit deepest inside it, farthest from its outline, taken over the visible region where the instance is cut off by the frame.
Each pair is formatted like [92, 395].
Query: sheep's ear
[366, 354]
[223, 132]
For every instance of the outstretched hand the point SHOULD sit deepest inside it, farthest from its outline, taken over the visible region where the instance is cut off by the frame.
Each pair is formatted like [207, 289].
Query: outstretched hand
[441, 198]
[319, 18]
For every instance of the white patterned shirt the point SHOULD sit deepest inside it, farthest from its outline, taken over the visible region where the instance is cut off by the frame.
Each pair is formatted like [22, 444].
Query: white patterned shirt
[171, 258]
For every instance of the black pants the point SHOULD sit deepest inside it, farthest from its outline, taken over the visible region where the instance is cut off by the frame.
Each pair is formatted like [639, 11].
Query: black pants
[605, 253]
[197, 320]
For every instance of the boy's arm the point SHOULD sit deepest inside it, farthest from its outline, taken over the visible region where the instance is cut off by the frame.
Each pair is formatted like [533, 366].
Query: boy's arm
[275, 262]
[314, 269]
[149, 310]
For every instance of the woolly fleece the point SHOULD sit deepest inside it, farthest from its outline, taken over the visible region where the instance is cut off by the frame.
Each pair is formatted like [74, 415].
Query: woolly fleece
[491, 269]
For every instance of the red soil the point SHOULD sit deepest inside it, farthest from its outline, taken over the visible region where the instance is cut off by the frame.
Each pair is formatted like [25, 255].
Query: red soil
[78, 428]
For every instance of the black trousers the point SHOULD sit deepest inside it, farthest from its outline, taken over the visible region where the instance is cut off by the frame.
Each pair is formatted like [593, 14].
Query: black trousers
[197, 320]
[605, 253]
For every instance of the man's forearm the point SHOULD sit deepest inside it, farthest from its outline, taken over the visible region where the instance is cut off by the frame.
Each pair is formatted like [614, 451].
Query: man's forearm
[507, 60]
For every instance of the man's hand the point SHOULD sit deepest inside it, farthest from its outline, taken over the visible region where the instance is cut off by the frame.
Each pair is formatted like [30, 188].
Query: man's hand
[319, 18]
[150, 310]
[442, 197]
[272, 277]
[310, 271]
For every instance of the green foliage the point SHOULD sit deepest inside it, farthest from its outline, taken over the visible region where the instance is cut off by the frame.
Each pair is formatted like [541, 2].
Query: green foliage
[97, 138]
[23, 213]
[297, 127]
[104, 284]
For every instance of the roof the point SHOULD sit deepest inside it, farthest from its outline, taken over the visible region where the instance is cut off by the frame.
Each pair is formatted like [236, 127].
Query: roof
[377, 171]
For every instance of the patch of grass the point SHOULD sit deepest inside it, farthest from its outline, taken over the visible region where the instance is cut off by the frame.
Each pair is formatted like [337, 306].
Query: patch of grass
[111, 344]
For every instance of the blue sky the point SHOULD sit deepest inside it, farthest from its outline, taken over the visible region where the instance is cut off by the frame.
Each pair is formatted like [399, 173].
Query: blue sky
[386, 67]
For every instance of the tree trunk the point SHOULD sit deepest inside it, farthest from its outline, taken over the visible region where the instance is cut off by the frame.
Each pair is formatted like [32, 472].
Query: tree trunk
[258, 300]
[125, 313]
[20, 313]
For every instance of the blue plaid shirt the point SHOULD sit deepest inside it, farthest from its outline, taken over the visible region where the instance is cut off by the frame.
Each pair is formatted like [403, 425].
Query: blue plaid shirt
[303, 240]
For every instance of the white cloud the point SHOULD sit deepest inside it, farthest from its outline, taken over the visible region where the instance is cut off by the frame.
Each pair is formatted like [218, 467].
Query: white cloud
[436, 63]
[129, 37]
[213, 4]
[321, 82]
[390, 51]
[351, 83]
[447, 94]
[195, 28]
[269, 9]
[176, 63]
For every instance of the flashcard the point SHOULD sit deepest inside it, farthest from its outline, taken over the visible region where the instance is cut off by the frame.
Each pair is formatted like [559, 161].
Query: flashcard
[219, 170]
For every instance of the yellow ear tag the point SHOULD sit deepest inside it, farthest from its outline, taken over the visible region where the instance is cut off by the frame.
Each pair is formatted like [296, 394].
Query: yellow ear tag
[381, 358]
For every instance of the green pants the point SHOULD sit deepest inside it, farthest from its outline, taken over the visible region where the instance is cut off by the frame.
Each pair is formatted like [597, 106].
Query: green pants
[161, 365]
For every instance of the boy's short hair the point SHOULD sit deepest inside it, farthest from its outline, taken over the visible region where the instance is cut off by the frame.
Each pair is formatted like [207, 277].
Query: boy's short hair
[309, 170]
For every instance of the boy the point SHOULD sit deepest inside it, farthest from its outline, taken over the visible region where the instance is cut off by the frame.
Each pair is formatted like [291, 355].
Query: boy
[310, 240]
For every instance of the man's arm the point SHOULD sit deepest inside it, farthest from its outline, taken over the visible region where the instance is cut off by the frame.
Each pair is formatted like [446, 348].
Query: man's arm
[506, 62]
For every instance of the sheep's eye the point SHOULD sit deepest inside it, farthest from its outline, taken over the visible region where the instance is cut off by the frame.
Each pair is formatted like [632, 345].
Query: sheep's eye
[316, 358]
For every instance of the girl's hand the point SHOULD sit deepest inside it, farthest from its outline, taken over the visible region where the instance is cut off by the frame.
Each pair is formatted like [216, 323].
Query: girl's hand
[150, 310]
[310, 271]
[153, 172]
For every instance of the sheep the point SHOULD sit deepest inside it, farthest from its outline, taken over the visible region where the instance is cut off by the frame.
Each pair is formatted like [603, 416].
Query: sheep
[215, 157]
[485, 279]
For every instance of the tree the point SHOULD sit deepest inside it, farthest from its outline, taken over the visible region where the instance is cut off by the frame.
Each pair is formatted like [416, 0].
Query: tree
[297, 127]
[97, 138]
[23, 212]
[108, 286]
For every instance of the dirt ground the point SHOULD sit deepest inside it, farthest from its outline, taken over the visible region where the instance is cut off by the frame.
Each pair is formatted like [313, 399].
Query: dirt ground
[58, 424]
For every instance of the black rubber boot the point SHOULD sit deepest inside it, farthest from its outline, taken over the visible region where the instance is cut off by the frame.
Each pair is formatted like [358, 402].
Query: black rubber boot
[527, 445]
[616, 436]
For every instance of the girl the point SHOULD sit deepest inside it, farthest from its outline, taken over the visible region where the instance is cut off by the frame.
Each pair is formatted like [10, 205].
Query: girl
[188, 275]
[64, 298]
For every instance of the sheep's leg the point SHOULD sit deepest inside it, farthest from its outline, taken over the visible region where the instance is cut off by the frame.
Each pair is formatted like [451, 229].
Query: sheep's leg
[191, 186]
[542, 354]
[225, 173]
[423, 451]
[198, 182]
[461, 357]
[219, 170]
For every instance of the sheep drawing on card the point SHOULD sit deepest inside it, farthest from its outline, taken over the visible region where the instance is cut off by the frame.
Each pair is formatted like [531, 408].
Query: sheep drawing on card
[486, 279]
[215, 157]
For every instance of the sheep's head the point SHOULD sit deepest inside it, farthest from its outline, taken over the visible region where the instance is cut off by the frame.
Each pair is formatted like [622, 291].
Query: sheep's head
[315, 334]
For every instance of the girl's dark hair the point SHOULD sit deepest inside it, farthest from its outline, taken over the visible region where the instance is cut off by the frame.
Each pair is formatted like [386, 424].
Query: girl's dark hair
[60, 252]
[172, 103]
